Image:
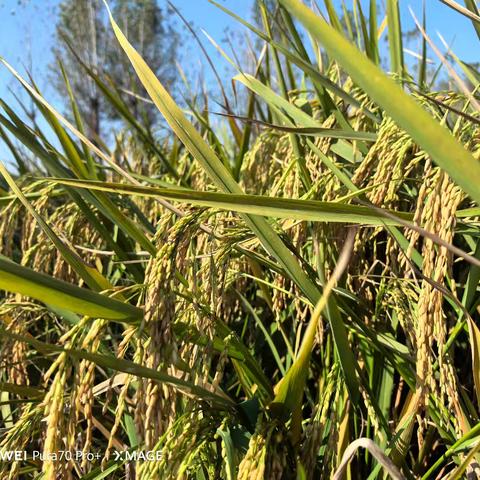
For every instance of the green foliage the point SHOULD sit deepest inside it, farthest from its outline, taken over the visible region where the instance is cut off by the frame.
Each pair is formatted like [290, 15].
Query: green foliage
[291, 295]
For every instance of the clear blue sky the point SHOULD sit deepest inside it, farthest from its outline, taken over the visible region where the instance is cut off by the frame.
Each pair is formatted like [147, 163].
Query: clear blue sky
[28, 27]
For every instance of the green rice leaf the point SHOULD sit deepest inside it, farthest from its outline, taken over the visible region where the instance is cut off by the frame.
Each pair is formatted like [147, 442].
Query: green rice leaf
[17, 279]
[395, 42]
[290, 390]
[299, 209]
[434, 138]
[474, 333]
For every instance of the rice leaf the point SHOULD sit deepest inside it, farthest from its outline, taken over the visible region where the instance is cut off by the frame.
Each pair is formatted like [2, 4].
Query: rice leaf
[434, 138]
[290, 390]
[395, 42]
[305, 66]
[17, 279]
[474, 334]
[312, 210]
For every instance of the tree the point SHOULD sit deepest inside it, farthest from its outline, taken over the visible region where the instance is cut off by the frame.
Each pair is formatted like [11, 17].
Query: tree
[83, 24]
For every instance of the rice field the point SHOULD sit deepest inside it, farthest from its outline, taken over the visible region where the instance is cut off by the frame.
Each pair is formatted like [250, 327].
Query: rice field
[288, 290]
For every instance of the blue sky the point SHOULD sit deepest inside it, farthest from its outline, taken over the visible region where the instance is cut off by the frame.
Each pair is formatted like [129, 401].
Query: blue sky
[28, 28]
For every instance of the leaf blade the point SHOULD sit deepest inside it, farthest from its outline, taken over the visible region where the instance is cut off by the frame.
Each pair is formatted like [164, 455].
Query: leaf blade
[434, 138]
[18, 279]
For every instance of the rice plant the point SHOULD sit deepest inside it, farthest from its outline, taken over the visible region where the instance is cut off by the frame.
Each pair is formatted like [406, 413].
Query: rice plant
[290, 296]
